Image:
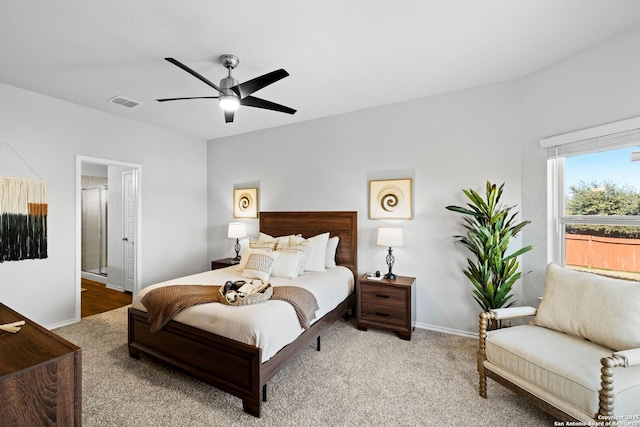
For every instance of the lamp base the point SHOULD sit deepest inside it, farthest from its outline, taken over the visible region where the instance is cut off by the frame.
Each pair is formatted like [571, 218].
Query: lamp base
[237, 248]
[390, 260]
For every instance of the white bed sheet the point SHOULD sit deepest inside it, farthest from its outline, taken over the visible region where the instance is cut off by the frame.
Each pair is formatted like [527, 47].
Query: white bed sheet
[270, 325]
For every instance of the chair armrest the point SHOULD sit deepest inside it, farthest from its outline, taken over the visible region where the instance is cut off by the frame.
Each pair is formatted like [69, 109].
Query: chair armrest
[513, 312]
[498, 314]
[622, 358]
[631, 357]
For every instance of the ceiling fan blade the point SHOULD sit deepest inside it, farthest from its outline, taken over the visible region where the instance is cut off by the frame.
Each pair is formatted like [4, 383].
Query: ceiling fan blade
[247, 88]
[192, 97]
[193, 73]
[252, 101]
[228, 116]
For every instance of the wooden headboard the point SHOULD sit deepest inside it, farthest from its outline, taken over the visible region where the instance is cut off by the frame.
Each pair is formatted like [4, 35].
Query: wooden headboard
[342, 224]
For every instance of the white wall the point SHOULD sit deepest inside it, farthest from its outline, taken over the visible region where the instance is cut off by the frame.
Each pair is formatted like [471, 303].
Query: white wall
[597, 86]
[48, 134]
[445, 143]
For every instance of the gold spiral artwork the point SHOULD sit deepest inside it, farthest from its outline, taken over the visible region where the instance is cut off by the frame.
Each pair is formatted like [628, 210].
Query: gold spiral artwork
[245, 203]
[390, 198]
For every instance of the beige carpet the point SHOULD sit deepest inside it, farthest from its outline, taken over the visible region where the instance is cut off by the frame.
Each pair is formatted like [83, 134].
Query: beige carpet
[358, 379]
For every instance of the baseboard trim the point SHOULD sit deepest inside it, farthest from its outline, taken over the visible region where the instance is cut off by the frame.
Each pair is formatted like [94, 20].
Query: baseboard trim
[94, 277]
[61, 324]
[115, 288]
[445, 330]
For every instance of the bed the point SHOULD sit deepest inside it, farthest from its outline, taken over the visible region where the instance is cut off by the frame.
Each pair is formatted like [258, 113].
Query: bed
[236, 367]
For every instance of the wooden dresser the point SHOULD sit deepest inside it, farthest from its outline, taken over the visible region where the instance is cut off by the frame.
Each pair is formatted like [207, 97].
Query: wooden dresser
[40, 376]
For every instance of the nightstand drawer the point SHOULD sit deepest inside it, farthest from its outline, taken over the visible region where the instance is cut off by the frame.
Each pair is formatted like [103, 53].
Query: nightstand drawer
[391, 316]
[383, 296]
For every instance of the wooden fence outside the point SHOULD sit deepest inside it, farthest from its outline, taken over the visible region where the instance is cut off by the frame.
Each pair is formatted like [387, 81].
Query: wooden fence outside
[606, 253]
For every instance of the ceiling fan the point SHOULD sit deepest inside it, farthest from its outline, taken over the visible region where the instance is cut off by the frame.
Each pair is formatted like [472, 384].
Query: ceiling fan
[233, 94]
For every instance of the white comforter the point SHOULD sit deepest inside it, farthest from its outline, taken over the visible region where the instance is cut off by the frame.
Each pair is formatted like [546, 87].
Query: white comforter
[270, 325]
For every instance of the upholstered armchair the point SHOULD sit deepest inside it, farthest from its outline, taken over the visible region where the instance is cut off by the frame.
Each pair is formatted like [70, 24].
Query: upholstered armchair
[579, 357]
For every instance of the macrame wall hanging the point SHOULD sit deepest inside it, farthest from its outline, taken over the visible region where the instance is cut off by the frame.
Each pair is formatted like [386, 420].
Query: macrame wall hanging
[23, 218]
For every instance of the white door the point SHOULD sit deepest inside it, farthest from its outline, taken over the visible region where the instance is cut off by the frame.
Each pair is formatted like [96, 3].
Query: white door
[129, 229]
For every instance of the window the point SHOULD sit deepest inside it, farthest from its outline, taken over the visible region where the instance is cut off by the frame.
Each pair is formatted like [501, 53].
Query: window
[594, 199]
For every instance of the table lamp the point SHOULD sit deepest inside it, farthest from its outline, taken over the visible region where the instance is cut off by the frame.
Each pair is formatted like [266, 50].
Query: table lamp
[390, 236]
[237, 230]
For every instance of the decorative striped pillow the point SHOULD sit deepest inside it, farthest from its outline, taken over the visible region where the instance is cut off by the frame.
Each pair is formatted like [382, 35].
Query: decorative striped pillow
[266, 245]
[259, 266]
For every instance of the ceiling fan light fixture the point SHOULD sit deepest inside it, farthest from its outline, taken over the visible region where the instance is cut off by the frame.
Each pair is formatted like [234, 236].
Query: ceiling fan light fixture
[233, 94]
[229, 102]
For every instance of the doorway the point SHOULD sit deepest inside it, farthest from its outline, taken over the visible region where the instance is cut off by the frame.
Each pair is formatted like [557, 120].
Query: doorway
[107, 227]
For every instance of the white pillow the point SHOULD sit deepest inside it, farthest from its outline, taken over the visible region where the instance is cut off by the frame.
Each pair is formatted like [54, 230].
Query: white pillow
[262, 236]
[317, 254]
[296, 239]
[302, 246]
[600, 309]
[288, 264]
[332, 246]
[259, 266]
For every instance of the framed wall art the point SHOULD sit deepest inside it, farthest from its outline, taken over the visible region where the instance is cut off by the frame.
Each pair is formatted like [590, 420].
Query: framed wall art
[390, 199]
[23, 219]
[245, 203]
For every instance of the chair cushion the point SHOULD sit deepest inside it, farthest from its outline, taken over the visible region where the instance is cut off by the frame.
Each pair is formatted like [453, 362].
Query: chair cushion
[566, 366]
[600, 309]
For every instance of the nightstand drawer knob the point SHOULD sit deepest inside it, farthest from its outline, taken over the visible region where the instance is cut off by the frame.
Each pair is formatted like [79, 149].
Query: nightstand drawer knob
[382, 296]
[382, 314]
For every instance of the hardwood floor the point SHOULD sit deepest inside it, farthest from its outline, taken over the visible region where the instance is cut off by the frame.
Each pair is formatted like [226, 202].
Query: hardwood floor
[97, 298]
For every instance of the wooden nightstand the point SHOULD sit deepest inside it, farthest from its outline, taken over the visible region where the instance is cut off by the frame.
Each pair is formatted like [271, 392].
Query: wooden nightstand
[224, 262]
[385, 304]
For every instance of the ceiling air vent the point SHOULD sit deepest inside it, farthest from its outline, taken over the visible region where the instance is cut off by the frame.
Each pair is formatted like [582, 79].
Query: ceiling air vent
[125, 102]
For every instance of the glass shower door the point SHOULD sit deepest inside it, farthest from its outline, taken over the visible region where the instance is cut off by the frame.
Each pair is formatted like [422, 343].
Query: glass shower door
[94, 230]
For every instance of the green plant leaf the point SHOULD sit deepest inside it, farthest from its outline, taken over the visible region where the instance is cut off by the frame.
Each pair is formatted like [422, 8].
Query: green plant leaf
[490, 227]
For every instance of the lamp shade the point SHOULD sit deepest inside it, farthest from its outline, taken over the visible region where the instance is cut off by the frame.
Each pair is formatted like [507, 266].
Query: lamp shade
[237, 230]
[390, 236]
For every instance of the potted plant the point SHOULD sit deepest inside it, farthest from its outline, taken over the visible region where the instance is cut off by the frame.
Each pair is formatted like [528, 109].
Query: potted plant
[490, 227]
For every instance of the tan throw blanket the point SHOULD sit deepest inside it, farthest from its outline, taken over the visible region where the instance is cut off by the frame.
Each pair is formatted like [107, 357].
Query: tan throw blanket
[165, 302]
[302, 300]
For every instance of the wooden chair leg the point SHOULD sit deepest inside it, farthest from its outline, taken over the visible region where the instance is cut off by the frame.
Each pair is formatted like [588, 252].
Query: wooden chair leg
[482, 335]
[482, 381]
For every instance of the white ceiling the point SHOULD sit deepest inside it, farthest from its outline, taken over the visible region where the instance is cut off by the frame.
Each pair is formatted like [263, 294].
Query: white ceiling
[341, 55]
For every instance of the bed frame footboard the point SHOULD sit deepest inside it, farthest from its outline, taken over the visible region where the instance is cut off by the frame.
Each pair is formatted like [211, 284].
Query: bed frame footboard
[226, 364]
[229, 365]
